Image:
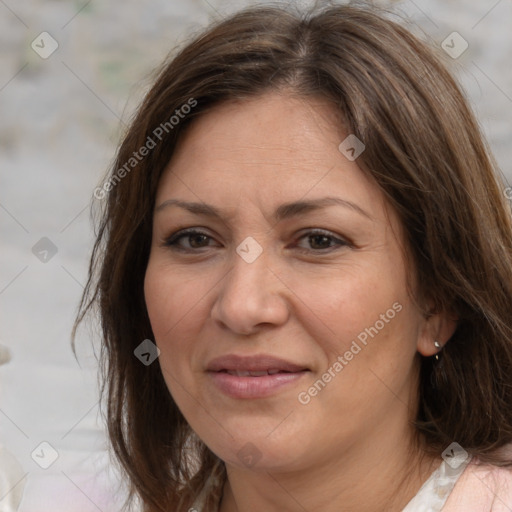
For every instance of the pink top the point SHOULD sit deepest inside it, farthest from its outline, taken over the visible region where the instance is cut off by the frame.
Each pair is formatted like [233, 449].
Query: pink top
[481, 488]
[473, 487]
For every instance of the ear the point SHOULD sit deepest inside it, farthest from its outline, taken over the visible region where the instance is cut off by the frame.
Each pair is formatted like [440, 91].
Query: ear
[439, 327]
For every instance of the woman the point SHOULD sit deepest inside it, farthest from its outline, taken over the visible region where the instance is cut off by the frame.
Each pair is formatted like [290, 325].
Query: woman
[304, 277]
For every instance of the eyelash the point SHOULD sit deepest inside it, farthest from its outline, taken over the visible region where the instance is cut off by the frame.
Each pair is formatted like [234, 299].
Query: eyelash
[173, 240]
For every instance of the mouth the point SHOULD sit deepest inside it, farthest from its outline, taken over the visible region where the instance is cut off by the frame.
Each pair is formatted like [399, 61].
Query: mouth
[257, 376]
[258, 365]
[260, 373]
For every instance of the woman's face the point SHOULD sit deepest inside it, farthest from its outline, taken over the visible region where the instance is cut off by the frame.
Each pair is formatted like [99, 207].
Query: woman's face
[286, 332]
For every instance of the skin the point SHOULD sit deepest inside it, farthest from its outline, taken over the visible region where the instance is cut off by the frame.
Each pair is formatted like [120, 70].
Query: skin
[351, 444]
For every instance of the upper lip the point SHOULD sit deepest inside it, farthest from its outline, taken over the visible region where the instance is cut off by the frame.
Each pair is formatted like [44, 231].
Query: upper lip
[254, 363]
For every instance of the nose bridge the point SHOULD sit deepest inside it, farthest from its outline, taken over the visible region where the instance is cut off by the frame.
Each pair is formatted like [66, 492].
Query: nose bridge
[250, 266]
[250, 293]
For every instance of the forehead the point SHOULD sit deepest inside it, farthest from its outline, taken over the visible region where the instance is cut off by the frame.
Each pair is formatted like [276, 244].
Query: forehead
[272, 149]
[273, 125]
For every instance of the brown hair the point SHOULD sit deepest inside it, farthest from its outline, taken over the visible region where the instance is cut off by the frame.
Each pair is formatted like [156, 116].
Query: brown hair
[425, 151]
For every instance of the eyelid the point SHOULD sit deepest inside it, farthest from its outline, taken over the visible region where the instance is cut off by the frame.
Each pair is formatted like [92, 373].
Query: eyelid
[340, 241]
[171, 241]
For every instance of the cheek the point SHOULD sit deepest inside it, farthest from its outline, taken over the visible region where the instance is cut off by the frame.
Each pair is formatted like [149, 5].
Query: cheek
[170, 302]
[158, 301]
[364, 315]
[372, 360]
[347, 301]
[172, 299]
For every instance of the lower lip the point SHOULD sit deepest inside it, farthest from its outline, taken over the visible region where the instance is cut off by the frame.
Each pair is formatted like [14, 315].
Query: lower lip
[254, 387]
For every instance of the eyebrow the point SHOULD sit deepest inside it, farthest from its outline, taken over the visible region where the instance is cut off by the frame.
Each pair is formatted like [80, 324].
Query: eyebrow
[284, 211]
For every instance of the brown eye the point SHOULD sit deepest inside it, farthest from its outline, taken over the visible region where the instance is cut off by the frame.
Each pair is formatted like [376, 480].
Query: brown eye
[322, 241]
[196, 240]
[318, 241]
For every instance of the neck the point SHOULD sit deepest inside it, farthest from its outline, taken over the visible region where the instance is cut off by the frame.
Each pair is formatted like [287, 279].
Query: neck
[374, 477]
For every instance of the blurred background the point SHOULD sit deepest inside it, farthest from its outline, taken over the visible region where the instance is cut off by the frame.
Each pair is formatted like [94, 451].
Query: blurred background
[71, 74]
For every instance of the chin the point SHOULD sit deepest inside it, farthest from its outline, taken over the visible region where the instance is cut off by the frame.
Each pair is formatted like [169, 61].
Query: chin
[258, 449]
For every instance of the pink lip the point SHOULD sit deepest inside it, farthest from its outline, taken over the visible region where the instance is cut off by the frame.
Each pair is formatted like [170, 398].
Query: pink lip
[237, 386]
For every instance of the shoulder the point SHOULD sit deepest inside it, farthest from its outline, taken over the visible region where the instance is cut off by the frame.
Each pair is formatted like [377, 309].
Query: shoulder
[481, 488]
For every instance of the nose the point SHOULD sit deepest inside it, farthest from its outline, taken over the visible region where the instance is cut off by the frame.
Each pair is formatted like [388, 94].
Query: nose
[251, 296]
